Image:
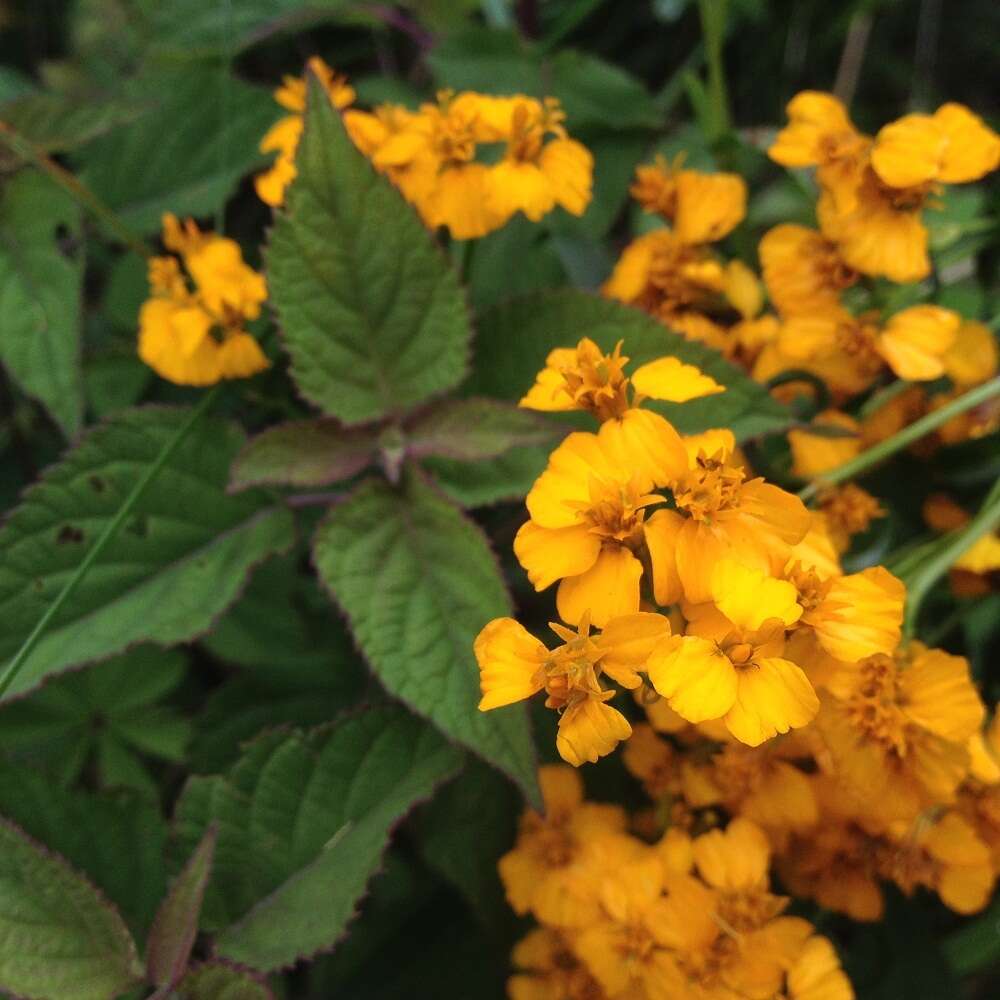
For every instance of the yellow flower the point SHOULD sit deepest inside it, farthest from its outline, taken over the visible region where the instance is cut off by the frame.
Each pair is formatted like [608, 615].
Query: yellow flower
[803, 270]
[915, 341]
[816, 973]
[588, 512]
[283, 137]
[196, 336]
[719, 514]
[541, 167]
[703, 207]
[848, 510]
[732, 667]
[548, 970]
[972, 357]
[952, 146]
[814, 454]
[585, 378]
[514, 665]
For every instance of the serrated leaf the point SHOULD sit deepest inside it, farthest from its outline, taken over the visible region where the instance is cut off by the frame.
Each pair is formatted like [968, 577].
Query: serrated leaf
[56, 122]
[58, 936]
[474, 429]
[176, 925]
[186, 154]
[177, 563]
[116, 839]
[417, 582]
[219, 980]
[507, 477]
[303, 453]
[303, 820]
[373, 318]
[40, 284]
[514, 340]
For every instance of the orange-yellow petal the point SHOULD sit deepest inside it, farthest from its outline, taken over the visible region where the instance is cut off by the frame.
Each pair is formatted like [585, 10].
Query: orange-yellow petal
[695, 677]
[773, 696]
[608, 589]
[670, 379]
[549, 554]
[510, 660]
[590, 729]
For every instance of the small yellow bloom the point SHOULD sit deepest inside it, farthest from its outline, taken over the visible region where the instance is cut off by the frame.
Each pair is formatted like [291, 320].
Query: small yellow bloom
[973, 357]
[814, 454]
[283, 137]
[848, 510]
[915, 341]
[803, 270]
[195, 335]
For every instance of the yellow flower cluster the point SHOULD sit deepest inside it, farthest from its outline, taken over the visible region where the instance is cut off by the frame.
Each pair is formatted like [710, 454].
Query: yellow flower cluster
[684, 917]
[468, 162]
[192, 327]
[633, 520]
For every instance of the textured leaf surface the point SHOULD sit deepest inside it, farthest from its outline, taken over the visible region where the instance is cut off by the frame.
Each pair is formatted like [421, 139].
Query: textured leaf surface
[177, 563]
[303, 820]
[58, 937]
[474, 429]
[56, 122]
[418, 581]
[176, 924]
[40, 284]
[222, 981]
[187, 152]
[507, 477]
[514, 340]
[373, 317]
[116, 839]
[303, 453]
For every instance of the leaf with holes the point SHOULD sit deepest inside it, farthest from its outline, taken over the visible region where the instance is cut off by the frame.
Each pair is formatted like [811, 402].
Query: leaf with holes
[179, 561]
[303, 820]
[514, 340]
[373, 317]
[418, 581]
[58, 936]
[40, 295]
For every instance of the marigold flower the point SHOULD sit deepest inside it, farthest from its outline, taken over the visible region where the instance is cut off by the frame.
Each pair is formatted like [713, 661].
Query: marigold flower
[814, 454]
[548, 970]
[847, 510]
[730, 664]
[803, 270]
[195, 335]
[283, 137]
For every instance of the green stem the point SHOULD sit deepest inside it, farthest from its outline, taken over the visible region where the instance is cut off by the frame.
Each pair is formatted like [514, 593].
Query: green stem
[915, 431]
[113, 527]
[713, 28]
[80, 193]
[946, 552]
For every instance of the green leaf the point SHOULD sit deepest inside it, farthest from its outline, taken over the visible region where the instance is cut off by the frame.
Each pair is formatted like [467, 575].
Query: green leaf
[218, 980]
[303, 453]
[58, 937]
[40, 284]
[176, 925]
[514, 340]
[186, 154]
[463, 832]
[115, 838]
[178, 562]
[303, 821]
[373, 318]
[975, 946]
[417, 582]
[56, 122]
[508, 477]
[470, 430]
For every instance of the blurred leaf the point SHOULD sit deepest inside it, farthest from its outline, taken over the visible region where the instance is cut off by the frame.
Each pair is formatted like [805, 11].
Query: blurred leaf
[178, 562]
[58, 936]
[14, 84]
[56, 122]
[507, 477]
[176, 925]
[219, 980]
[186, 154]
[41, 276]
[975, 946]
[417, 582]
[471, 430]
[303, 821]
[514, 340]
[372, 316]
[116, 839]
[303, 453]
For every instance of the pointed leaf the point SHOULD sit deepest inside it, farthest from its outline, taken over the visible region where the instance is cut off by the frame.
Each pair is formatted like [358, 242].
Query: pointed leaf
[303, 821]
[41, 276]
[303, 453]
[219, 980]
[417, 582]
[515, 338]
[176, 925]
[373, 318]
[58, 936]
[177, 563]
[473, 429]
